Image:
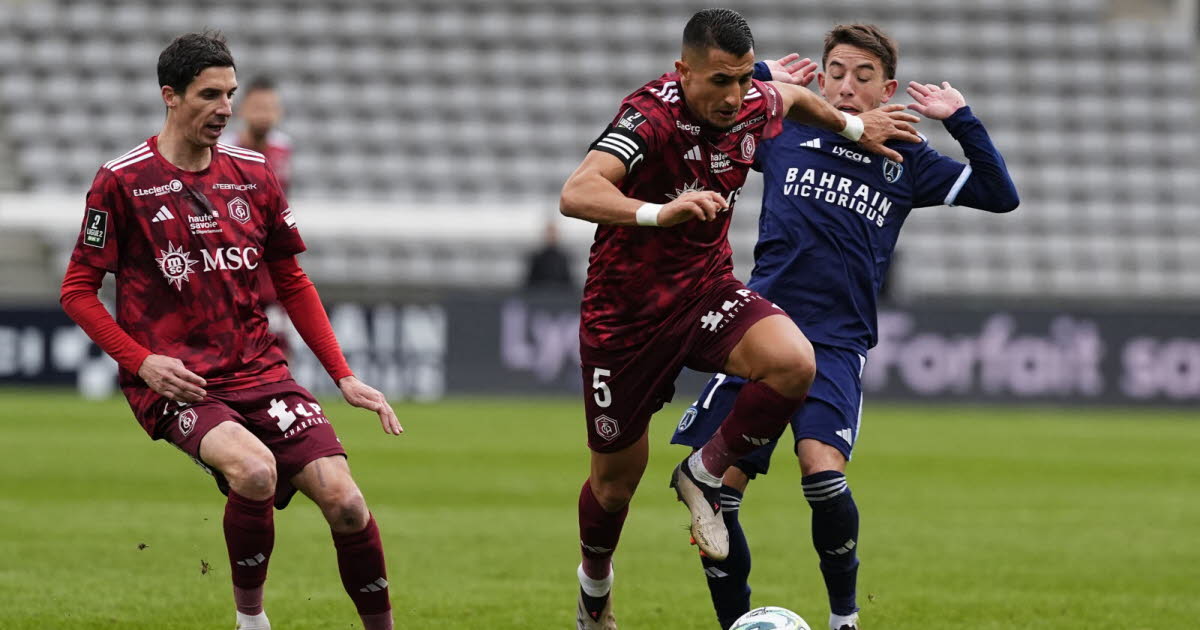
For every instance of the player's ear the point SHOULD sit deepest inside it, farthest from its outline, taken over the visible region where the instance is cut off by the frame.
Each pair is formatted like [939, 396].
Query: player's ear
[889, 89]
[169, 96]
[681, 67]
[821, 81]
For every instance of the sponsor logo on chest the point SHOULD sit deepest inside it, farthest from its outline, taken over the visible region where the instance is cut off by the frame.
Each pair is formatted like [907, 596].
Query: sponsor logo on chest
[719, 163]
[840, 191]
[240, 187]
[177, 264]
[172, 186]
[851, 155]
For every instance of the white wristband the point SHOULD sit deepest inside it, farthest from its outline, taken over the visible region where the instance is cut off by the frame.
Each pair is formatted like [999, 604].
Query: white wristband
[854, 127]
[648, 214]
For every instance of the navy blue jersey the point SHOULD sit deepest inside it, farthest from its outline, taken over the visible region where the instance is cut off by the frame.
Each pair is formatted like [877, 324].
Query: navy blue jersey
[831, 214]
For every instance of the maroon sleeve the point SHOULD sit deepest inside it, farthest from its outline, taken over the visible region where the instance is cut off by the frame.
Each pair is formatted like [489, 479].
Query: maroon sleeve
[79, 300]
[634, 134]
[774, 109]
[303, 305]
[283, 239]
[103, 221]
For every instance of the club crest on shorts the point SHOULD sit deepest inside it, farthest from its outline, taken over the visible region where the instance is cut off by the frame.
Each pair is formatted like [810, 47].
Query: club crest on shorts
[187, 420]
[239, 209]
[892, 170]
[607, 428]
[688, 418]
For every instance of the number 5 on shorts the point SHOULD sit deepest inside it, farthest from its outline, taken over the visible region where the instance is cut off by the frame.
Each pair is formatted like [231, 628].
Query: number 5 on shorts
[603, 395]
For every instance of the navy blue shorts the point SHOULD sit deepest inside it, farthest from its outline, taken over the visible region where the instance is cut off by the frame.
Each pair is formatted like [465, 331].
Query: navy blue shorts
[831, 414]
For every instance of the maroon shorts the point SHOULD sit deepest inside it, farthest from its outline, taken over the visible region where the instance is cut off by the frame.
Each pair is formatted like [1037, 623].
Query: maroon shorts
[283, 415]
[622, 389]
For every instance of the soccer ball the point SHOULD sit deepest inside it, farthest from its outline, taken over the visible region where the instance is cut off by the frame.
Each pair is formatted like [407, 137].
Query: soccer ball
[770, 618]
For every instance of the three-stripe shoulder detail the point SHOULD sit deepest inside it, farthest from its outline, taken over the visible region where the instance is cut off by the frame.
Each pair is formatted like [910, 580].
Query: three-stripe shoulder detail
[137, 154]
[240, 153]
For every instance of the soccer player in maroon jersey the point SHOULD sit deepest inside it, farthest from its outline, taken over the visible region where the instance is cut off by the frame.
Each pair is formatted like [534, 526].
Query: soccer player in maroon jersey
[660, 292]
[184, 223]
[260, 111]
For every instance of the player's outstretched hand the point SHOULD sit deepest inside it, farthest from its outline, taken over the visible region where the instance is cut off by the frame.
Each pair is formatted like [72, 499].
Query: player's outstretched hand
[364, 396]
[936, 103]
[882, 124]
[700, 204]
[169, 378]
[792, 69]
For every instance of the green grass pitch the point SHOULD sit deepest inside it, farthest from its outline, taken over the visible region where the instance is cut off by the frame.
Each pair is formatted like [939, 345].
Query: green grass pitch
[980, 518]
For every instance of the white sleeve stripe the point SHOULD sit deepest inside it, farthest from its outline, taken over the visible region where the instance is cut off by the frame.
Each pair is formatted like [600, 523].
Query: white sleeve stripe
[608, 144]
[242, 157]
[233, 149]
[135, 160]
[134, 153]
[952, 196]
[622, 140]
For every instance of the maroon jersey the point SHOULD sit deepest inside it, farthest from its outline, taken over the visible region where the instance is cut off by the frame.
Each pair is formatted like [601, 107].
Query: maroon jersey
[639, 276]
[186, 248]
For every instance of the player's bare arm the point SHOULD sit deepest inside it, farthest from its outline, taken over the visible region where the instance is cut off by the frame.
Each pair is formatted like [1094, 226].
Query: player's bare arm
[889, 122]
[363, 396]
[171, 379]
[591, 194]
[933, 102]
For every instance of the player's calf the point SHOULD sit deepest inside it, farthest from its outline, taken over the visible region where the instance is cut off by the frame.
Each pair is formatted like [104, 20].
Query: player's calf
[835, 537]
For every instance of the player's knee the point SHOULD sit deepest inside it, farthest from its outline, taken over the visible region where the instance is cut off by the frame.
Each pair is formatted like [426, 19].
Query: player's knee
[791, 372]
[614, 495]
[253, 476]
[346, 511]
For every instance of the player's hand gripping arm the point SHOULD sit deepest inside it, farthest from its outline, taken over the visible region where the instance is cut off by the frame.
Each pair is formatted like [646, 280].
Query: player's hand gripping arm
[879, 125]
[167, 376]
[591, 194]
[988, 185]
[303, 305]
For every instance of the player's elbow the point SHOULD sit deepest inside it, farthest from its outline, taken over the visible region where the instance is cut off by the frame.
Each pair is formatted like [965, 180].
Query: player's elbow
[570, 202]
[1008, 200]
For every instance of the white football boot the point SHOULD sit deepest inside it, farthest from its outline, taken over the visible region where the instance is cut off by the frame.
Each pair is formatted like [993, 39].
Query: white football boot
[704, 502]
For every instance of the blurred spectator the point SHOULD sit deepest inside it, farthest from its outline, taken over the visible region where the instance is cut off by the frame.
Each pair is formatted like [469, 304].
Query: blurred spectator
[549, 267]
[260, 111]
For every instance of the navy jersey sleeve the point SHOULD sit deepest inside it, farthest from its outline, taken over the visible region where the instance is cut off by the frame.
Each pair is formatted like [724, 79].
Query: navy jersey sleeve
[983, 183]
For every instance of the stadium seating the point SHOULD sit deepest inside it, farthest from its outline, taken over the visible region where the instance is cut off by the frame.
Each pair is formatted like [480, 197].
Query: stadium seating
[477, 103]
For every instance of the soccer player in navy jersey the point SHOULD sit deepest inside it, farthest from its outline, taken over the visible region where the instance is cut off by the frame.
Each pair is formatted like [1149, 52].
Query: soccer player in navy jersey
[660, 294]
[185, 223]
[830, 218]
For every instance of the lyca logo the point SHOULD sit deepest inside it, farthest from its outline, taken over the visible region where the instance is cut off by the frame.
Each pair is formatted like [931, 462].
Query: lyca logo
[172, 186]
[851, 155]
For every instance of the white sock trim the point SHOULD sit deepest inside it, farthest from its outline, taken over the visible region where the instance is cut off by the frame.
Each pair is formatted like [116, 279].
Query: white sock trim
[595, 588]
[253, 622]
[696, 464]
[837, 621]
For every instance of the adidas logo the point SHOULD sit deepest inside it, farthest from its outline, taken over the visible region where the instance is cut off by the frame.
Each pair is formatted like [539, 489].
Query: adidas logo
[847, 435]
[694, 154]
[756, 441]
[162, 215]
[254, 561]
[815, 143]
[374, 587]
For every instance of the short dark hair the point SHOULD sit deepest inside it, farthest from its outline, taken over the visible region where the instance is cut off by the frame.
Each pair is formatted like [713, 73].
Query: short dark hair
[867, 37]
[724, 29]
[189, 55]
[260, 82]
